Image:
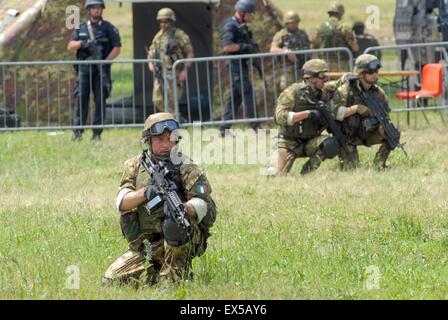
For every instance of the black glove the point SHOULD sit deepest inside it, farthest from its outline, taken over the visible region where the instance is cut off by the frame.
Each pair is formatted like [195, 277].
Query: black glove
[150, 193]
[154, 200]
[248, 47]
[314, 115]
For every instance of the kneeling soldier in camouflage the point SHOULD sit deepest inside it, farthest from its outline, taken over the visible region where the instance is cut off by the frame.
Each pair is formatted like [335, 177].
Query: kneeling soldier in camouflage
[158, 247]
[299, 123]
[358, 123]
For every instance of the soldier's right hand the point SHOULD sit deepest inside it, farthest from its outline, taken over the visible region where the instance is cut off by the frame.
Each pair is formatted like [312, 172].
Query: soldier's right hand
[313, 115]
[150, 192]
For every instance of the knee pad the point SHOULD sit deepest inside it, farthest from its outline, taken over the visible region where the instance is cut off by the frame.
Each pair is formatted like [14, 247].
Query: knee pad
[174, 234]
[330, 148]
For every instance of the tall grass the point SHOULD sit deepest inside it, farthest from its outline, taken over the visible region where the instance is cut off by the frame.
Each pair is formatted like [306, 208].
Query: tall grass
[313, 237]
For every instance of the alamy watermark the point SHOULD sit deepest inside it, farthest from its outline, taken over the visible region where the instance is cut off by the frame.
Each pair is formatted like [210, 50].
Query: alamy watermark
[373, 20]
[73, 279]
[74, 17]
[373, 277]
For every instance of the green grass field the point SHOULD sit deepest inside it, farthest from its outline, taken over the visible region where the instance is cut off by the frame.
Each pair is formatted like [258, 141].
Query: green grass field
[329, 235]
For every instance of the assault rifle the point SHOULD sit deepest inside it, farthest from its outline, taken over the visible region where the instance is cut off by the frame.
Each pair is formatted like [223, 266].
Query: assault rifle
[256, 62]
[379, 112]
[332, 126]
[166, 190]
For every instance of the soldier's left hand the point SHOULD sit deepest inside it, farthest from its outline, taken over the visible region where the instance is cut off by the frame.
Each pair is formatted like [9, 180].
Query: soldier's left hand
[363, 110]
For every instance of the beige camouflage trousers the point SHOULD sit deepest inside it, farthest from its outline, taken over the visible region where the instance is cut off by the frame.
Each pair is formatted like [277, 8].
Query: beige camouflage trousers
[165, 263]
[157, 95]
[287, 151]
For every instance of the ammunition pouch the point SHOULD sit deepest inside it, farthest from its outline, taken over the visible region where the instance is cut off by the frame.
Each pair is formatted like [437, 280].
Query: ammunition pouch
[368, 125]
[351, 126]
[130, 227]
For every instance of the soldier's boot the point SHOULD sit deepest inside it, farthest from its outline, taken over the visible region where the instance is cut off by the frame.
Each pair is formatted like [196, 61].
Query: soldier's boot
[350, 160]
[77, 135]
[381, 157]
[312, 164]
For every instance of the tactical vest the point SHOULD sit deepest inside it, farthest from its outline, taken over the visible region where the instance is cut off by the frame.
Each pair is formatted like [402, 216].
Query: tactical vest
[305, 129]
[167, 47]
[293, 41]
[331, 34]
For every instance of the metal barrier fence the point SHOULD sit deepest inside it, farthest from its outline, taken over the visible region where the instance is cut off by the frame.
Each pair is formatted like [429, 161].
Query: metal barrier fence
[49, 95]
[42, 93]
[413, 57]
[253, 81]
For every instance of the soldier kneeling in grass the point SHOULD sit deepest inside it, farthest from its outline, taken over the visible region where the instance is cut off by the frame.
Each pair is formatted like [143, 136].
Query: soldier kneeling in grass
[166, 209]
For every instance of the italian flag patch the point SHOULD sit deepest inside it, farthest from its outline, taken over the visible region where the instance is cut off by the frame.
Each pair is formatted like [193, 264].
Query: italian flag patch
[202, 188]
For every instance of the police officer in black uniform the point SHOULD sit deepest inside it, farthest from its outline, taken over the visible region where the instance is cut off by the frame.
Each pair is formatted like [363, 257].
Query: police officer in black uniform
[236, 39]
[96, 39]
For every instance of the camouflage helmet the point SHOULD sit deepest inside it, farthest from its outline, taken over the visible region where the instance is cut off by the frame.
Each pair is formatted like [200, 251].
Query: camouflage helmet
[314, 68]
[165, 120]
[367, 62]
[337, 7]
[245, 6]
[166, 13]
[292, 16]
[94, 2]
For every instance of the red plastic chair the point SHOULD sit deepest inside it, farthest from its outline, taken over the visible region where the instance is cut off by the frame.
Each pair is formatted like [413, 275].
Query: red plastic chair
[432, 80]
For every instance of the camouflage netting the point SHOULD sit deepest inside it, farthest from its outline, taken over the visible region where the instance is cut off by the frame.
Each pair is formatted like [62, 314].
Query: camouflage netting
[47, 38]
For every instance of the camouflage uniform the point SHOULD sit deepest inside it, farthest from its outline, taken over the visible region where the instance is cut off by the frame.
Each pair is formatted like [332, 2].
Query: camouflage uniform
[333, 33]
[302, 139]
[293, 40]
[181, 45]
[143, 229]
[360, 128]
